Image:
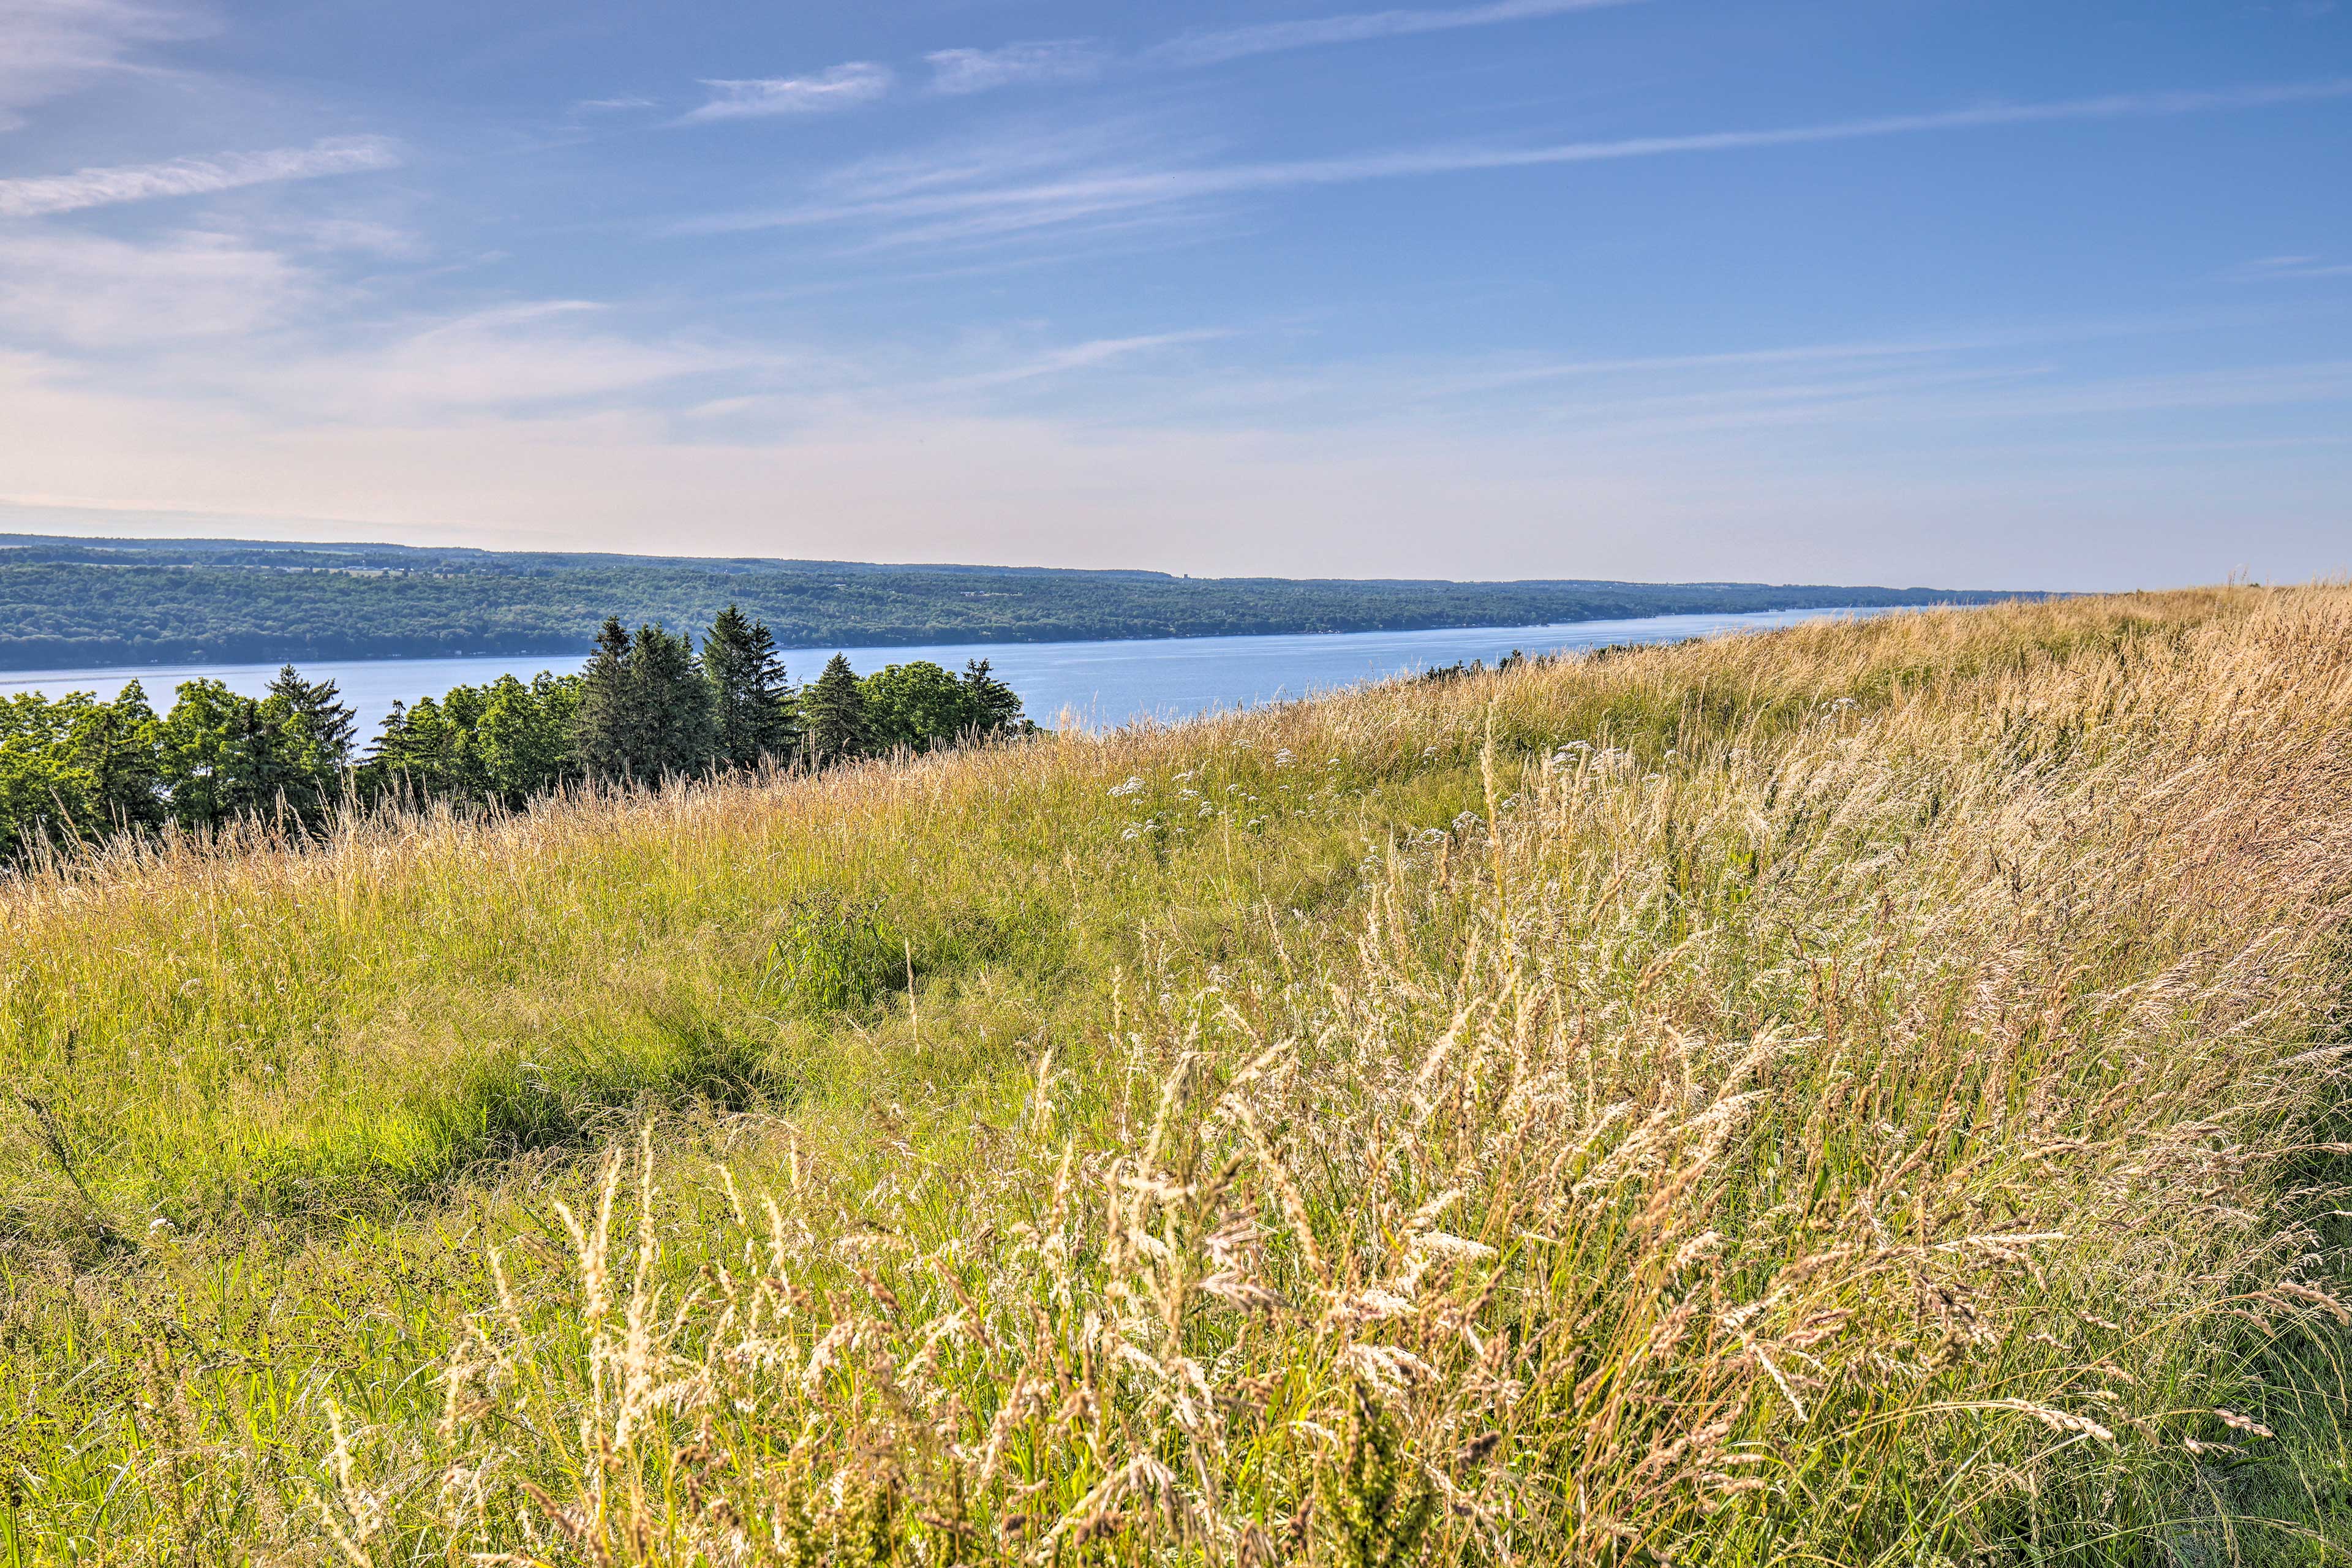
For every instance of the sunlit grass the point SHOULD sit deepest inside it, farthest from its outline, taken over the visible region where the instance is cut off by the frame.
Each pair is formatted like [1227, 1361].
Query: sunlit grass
[1859, 1093]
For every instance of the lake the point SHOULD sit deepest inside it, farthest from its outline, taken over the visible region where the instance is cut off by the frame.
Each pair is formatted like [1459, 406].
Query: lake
[1095, 683]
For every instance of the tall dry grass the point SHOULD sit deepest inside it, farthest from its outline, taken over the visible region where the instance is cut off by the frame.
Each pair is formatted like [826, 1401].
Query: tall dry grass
[1861, 1095]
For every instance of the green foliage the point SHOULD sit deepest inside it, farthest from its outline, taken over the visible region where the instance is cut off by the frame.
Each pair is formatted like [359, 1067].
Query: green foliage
[526, 735]
[989, 706]
[1372, 1501]
[1751, 1115]
[318, 708]
[918, 706]
[221, 755]
[645, 710]
[922, 707]
[672, 704]
[834, 710]
[77, 768]
[81, 604]
[607, 715]
[752, 713]
[505, 742]
[835, 954]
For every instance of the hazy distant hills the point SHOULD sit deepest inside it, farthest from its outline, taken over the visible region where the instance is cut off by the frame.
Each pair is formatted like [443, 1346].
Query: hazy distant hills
[84, 602]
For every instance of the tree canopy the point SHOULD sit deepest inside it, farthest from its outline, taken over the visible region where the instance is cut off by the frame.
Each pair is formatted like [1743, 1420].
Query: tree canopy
[83, 604]
[647, 707]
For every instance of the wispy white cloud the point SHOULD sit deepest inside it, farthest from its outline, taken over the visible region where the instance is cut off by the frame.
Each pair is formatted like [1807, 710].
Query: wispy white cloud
[969, 70]
[562, 414]
[1031, 149]
[1092, 355]
[354, 236]
[611, 105]
[1046, 61]
[1089, 194]
[1045, 151]
[51, 47]
[843, 85]
[39, 195]
[1351, 27]
[2280, 266]
[540, 352]
[93, 292]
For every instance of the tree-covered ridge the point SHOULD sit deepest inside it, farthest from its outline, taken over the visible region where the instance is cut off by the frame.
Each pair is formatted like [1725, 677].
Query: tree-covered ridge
[648, 706]
[82, 604]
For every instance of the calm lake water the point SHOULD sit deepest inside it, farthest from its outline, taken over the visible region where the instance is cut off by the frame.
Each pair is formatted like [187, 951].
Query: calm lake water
[1096, 683]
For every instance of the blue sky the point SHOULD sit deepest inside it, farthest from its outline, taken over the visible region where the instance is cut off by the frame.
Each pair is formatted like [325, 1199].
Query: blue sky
[1970, 292]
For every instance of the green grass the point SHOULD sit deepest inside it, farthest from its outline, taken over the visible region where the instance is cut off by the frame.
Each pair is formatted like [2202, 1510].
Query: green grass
[1498, 1119]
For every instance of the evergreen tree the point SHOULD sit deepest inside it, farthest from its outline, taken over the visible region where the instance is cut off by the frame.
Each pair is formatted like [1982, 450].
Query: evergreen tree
[312, 744]
[645, 709]
[606, 725]
[391, 740]
[324, 717]
[994, 708]
[751, 705]
[415, 757]
[671, 704]
[269, 765]
[833, 714]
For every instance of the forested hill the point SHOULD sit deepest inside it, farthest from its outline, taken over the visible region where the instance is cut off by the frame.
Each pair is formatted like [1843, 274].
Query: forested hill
[83, 603]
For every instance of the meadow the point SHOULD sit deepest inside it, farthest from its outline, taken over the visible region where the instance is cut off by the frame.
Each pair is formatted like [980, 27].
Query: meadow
[1867, 1094]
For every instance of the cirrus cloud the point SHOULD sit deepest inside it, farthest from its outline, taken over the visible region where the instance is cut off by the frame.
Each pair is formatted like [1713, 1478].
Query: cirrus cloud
[53, 47]
[43, 194]
[980, 70]
[843, 85]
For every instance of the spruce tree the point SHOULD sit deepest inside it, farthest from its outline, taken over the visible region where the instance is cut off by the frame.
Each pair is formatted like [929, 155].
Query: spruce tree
[751, 706]
[319, 707]
[605, 725]
[391, 740]
[833, 714]
[313, 740]
[772, 699]
[993, 707]
[670, 704]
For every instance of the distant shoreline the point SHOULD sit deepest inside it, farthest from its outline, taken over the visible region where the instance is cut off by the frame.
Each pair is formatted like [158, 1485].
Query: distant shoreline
[90, 604]
[1102, 681]
[943, 637]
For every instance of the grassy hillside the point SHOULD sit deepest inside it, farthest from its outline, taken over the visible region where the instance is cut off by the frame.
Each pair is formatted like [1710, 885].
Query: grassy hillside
[81, 603]
[1860, 1094]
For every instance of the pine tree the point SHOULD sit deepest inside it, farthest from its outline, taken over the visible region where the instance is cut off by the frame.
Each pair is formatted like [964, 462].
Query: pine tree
[993, 708]
[325, 718]
[313, 740]
[778, 733]
[671, 705]
[605, 725]
[833, 714]
[751, 705]
[391, 740]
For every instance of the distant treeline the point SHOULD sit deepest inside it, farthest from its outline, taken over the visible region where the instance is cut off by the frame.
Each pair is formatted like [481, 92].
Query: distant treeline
[649, 706]
[82, 604]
